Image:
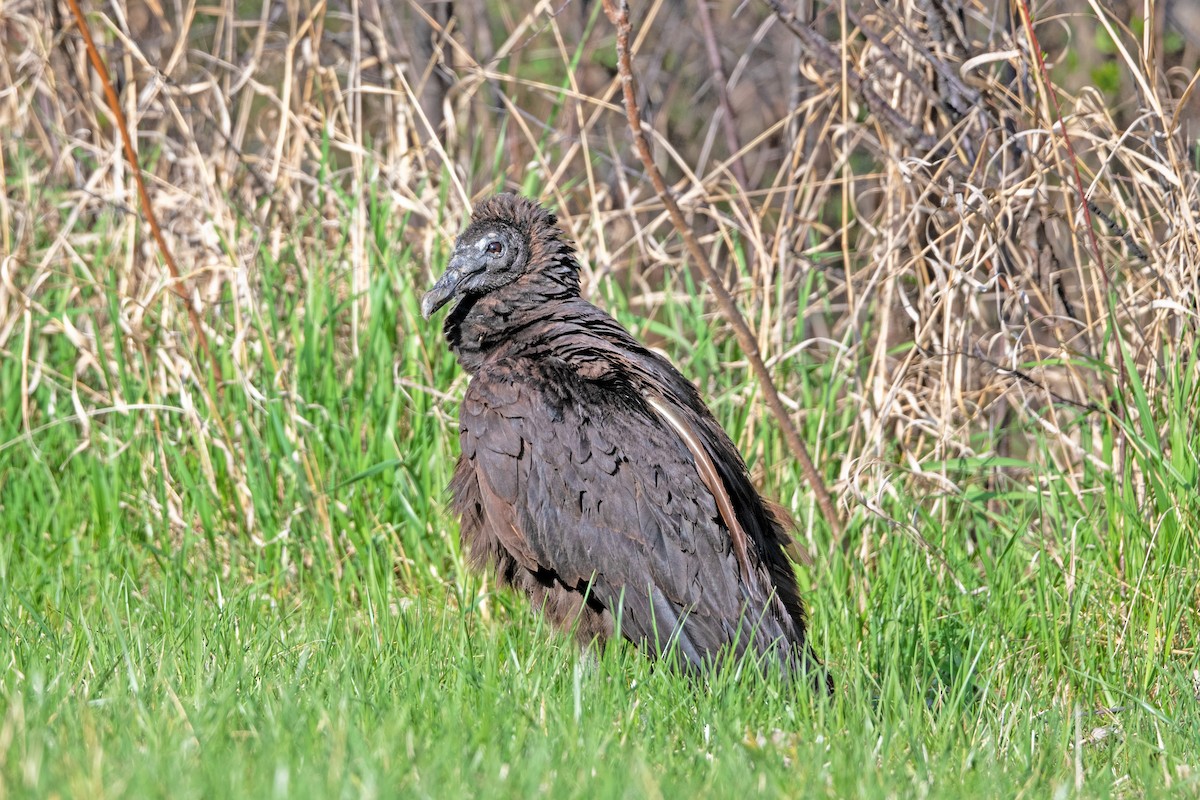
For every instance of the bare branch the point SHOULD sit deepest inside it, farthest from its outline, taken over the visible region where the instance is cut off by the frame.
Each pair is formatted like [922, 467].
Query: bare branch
[618, 13]
[114, 105]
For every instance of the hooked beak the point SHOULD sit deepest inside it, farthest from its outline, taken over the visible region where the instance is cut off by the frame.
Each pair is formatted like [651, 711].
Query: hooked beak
[461, 267]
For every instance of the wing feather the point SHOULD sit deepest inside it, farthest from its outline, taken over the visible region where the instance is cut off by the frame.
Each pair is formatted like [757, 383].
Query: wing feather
[590, 489]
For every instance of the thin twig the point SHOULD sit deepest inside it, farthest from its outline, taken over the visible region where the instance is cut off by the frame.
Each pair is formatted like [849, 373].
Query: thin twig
[618, 14]
[114, 105]
[1036, 48]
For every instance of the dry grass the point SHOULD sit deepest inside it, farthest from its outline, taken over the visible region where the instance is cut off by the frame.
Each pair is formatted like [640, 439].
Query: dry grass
[905, 191]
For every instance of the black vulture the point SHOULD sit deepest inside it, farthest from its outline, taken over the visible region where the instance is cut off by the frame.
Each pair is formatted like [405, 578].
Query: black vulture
[592, 475]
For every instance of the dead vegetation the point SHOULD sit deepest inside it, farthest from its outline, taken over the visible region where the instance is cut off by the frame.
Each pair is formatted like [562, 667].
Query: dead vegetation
[1000, 246]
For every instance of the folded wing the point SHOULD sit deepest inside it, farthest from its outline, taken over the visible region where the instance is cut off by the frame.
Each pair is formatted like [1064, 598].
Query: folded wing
[582, 487]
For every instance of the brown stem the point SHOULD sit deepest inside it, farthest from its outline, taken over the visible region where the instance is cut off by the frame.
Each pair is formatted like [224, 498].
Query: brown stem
[1116, 408]
[618, 14]
[114, 105]
[1036, 48]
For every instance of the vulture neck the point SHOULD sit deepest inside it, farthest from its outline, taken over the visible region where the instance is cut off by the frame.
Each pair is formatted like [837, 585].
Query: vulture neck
[479, 326]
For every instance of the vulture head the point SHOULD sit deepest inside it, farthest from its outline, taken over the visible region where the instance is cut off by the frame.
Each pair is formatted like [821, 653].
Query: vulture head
[513, 247]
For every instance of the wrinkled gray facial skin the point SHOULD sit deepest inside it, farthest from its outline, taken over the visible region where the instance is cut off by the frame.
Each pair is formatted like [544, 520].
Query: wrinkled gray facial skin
[485, 258]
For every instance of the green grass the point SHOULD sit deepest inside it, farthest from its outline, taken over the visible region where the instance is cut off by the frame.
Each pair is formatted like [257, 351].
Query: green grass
[292, 617]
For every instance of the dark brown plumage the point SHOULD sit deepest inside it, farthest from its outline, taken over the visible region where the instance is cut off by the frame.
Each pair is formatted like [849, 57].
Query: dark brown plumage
[592, 475]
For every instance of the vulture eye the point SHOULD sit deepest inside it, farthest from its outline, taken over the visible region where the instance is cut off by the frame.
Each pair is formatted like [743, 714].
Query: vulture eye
[494, 248]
